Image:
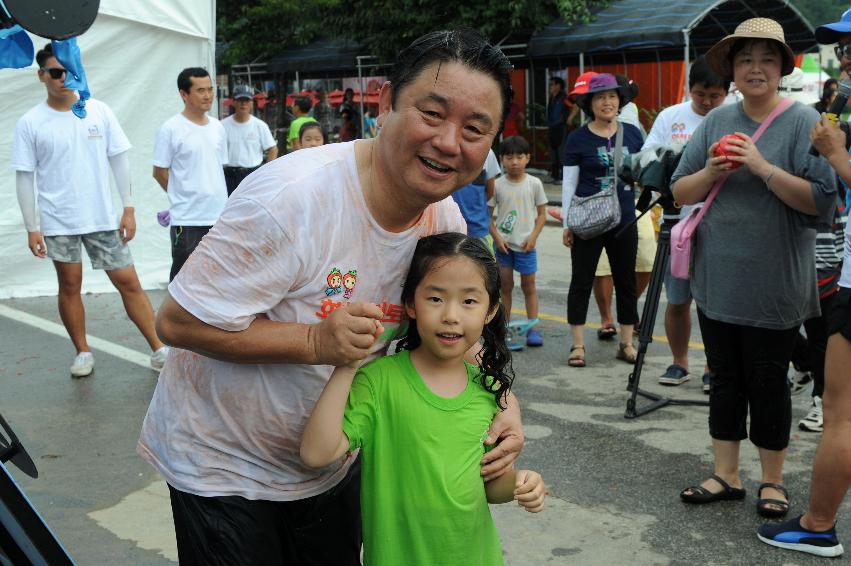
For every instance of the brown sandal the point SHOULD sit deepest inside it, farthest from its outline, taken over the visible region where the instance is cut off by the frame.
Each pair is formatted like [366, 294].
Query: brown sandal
[628, 357]
[576, 360]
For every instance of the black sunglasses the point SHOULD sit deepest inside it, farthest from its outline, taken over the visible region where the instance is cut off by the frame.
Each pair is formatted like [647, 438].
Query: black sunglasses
[843, 51]
[54, 72]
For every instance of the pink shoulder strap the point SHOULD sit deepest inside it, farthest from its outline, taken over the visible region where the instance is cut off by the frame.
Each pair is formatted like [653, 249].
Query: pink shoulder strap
[778, 110]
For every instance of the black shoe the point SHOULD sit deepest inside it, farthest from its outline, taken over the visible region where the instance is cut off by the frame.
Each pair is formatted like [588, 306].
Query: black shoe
[674, 375]
[792, 536]
[707, 377]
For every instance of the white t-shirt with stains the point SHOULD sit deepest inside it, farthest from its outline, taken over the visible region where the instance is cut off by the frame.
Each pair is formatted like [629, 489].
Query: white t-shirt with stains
[296, 242]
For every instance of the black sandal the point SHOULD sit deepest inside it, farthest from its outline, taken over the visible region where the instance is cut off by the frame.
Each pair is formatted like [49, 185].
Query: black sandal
[607, 332]
[700, 494]
[764, 507]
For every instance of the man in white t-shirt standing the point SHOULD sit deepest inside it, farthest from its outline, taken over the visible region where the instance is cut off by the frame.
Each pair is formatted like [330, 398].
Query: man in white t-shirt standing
[249, 139]
[673, 127]
[189, 152]
[69, 159]
[307, 256]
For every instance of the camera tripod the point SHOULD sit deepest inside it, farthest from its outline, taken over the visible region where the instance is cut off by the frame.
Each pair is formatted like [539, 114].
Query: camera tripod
[648, 316]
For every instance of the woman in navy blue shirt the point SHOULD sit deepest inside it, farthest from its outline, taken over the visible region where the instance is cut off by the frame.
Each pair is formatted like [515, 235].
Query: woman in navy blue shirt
[589, 168]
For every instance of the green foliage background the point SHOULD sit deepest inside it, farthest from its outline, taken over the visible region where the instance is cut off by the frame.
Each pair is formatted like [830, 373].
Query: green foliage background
[254, 29]
[258, 28]
[821, 11]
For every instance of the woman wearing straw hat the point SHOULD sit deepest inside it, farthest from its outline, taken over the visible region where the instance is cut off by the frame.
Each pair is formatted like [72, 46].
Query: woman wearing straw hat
[753, 271]
[589, 168]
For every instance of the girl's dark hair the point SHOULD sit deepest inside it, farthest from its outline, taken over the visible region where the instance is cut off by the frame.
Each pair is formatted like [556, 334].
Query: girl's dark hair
[310, 125]
[494, 358]
[463, 45]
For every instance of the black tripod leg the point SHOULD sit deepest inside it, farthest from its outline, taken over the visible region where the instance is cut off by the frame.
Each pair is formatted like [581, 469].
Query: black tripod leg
[648, 319]
[645, 336]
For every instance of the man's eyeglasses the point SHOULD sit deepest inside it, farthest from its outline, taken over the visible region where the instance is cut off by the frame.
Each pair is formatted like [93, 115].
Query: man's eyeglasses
[843, 51]
[54, 72]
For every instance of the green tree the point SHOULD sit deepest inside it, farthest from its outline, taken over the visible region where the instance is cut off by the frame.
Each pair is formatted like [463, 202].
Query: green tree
[257, 28]
[820, 12]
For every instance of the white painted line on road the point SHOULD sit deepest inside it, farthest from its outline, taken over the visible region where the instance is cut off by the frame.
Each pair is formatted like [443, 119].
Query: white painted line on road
[96, 343]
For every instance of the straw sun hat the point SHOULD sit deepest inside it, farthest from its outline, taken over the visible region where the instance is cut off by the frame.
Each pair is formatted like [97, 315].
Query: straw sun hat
[754, 28]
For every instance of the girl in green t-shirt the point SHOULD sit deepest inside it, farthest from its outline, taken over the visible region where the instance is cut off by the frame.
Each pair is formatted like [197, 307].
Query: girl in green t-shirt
[420, 417]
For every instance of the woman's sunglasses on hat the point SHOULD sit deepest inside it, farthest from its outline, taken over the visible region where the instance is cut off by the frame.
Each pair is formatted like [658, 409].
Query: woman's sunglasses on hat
[54, 72]
[843, 51]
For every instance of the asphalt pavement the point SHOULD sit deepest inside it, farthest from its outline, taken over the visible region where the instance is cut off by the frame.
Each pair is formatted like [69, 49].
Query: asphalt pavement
[613, 482]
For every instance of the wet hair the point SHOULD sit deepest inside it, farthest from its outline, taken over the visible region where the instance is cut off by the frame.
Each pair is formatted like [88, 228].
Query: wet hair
[303, 103]
[494, 358]
[465, 46]
[558, 80]
[309, 126]
[701, 74]
[184, 79]
[514, 145]
[43, 55]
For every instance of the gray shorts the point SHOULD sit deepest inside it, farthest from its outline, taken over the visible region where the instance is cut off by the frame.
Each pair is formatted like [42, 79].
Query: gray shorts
[677, 290]
[105, 249]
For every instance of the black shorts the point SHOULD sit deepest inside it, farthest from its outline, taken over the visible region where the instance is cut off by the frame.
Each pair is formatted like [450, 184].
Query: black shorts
[231, 531]
[839, 318]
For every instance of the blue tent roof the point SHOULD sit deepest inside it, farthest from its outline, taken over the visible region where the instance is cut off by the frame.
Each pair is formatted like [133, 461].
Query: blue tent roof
[659, 25]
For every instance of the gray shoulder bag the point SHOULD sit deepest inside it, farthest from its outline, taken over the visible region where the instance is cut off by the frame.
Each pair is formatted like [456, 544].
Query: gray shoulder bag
[590, 216]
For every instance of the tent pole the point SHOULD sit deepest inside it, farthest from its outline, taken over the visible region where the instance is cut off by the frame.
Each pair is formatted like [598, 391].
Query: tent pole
[362, 93]
[658, 81]
[529, 101]
[581, 62]
[685, 64]
[297, 83]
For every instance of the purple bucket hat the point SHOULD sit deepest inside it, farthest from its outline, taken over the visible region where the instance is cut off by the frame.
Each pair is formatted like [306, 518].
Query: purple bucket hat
[601, 83]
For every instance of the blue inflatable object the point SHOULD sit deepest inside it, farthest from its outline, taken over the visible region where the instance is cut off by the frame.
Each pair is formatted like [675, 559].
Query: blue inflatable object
[16, 48]
[67, 52]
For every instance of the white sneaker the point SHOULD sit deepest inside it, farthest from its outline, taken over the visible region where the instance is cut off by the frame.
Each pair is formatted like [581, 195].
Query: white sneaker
[83, 364]
[799, 381]
[814, 421]
[158, 358]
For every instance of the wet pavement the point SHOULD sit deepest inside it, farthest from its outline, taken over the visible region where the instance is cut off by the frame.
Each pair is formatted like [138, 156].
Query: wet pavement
[614, 482]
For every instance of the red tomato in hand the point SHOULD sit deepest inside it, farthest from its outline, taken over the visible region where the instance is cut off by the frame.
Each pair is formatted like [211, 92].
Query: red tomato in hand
[724, 150]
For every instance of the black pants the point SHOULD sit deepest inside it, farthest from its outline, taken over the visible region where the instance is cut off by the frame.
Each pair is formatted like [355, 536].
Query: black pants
[749, 367]
[317, 531]
[184, 240]
[555, 136]
[583, 262]
[235, 175]
[808, 353]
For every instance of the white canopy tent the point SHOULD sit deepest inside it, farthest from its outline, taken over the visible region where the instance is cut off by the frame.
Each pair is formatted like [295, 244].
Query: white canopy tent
[132, 55]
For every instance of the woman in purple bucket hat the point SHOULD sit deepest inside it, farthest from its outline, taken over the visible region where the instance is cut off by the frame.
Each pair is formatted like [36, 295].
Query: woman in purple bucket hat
[589, 168]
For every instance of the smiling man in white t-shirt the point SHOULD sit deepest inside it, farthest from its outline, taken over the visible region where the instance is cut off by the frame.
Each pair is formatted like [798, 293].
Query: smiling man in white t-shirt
[309, 253]
[66, 160]
[190, 152]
